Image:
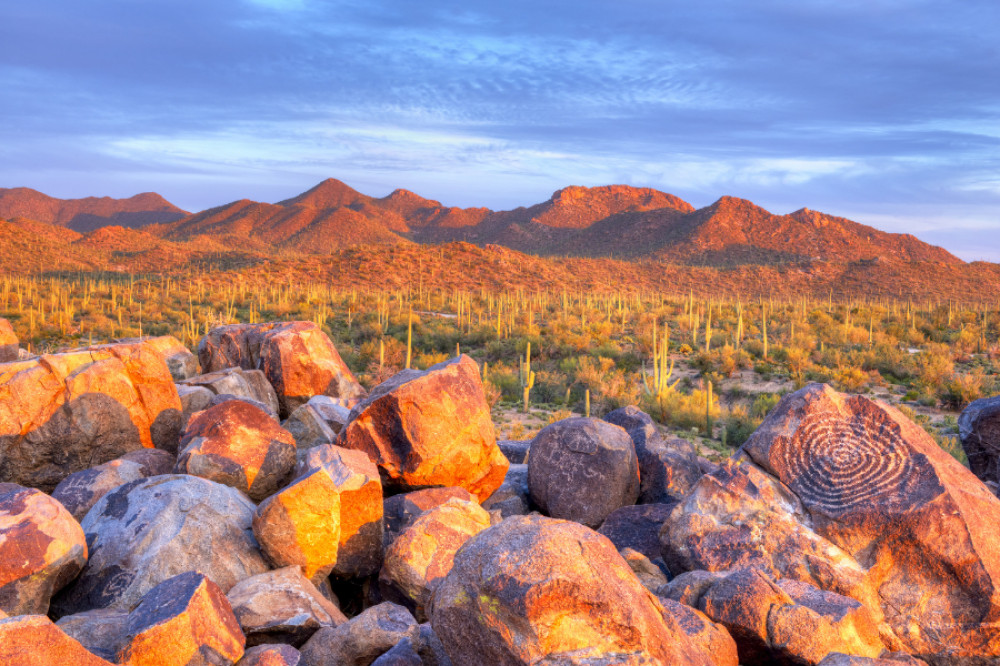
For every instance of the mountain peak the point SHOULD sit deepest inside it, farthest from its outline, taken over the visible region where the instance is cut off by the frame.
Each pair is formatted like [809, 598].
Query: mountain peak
[331, 193]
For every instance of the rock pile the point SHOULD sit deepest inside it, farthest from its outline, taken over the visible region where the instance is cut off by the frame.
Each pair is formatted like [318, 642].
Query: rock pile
[186, 525]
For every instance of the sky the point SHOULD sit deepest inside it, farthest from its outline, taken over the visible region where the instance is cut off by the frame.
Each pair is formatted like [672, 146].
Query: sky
[883, 111]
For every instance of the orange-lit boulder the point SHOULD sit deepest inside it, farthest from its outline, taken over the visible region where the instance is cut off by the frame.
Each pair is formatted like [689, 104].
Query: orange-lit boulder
[42, 548]
[80, 491]
[271, 655]
[363, 639]
[281, 606]
[237, 444]
[63, 413]
[144, 532]
[878, 486]
[430, 428]
[582, 469]
[179, 359]
[301, 524]
[712, 638]
[423, 554]
[249, 384]
[297, 357]
[401, 510]
[183, 620]
[357, 480]
[33, 640]
[532, 586]
[8, 342]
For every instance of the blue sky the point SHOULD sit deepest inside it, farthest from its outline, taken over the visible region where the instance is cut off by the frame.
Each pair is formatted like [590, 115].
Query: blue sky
[883, 111]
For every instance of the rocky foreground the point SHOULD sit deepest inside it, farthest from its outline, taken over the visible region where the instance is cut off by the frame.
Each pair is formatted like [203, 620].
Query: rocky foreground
[269, 511]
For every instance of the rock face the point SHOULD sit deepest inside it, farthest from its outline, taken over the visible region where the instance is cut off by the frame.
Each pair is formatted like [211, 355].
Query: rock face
[359, 551]
[979, 429]
[80, 491]
[423, 554]
[878, 486]
[63, 413]
[8, 342]
[298, 359]
[582, 469]
[362, 640]
[281, 606]
[183, 620]
[147, 531]
[532, 586]
[33, 640]
[238, 445]
[179, 359]
[430, 428]
[637, 527]
[42, 548]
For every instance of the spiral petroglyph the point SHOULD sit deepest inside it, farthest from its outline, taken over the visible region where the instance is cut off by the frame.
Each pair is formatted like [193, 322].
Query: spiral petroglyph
[836, 465]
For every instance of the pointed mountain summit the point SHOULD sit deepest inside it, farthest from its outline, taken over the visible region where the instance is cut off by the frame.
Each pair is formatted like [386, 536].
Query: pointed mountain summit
[331, 193]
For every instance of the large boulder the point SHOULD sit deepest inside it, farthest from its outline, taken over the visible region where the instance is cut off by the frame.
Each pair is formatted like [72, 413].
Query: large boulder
[179, 359]
[63, 413]
[80, 491]
[637, 527]
[235, 383]
[363, 639]
[297, 357]
[582, 469]
[8, 342]
[979, 430]
[423, 554]
[532, 586]
[33, 640]
[400, 511]
[237, 444]
[42, 548]
[147, 531]
[183, 620]
[430, 428]
[878, 486]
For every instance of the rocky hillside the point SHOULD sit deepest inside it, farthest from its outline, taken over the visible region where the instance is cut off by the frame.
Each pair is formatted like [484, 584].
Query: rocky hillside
[254, 505]
[90, 213]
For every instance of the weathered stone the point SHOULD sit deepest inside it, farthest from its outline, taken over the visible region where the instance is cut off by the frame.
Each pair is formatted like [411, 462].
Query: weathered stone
[42, 548]
[363, 639]
[402, 653]
[582, 469]
[271, 655]
[979, 430]
[238, 445]
[516, 450]
[227, 397]
[33, 640]
[80, 491]
[587, 658]
[101, 631]
[146, 531]
[532, 586]
[357, 481]
[193, 400]
[649, 574]
[335, 412]
[423, 554]
[179, 359]
[8, 342]
[298, 359]
[309, 429]
[237, 382]
[712, 638]
[513, 498]
[886, 659]
[400, 511]
[281, 606]
[430, 428]
[64, 413]
[689, 587]
[301, 524]
[637, 527]
[877, 485]
[430, 648]
[183, 620]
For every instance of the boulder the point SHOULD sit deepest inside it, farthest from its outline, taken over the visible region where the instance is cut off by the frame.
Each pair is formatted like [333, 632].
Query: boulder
[281, 606]
[193, 399]
[80, 491]
[582, 469]
[309, 429]
[33, 640]
[240, 383]
[403, 653]
[513, 498]
[531, 586]
[516, 450]
[42, 548]
[649, 574]
[147, 531]
[712, 638]
[979, 430]
[297, 357]
[8, 342]
[183, 620]
[238, 445]
[689, 587]
[179, 359]
[101, 631]
[301, 524]
[227, 397]
[363, 639]
[400, 511]
[271, 655]
[423, 554]
[886, 659]
[878, 486]
[430, 648]
[430, 428]
[637, 527]
[335, 412]
[356, 478]
[64, 413]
